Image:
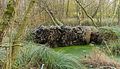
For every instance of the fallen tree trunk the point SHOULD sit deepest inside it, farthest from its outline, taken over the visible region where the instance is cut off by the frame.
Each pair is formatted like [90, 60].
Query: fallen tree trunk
[56, 36]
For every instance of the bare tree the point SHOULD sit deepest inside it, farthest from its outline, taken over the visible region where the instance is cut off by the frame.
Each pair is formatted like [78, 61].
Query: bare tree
[94, 14]
[86, 12]
[52, 16]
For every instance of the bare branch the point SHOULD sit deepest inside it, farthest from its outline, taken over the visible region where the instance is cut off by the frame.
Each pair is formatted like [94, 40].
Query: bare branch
[80, 5]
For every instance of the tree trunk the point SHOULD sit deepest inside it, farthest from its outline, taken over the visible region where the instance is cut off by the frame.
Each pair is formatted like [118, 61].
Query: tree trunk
[78, 14]
[7, 16]
[16, 43]
[119, 14]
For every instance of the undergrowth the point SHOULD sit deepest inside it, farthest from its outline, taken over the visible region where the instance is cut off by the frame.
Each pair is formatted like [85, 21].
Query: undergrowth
[33, 55]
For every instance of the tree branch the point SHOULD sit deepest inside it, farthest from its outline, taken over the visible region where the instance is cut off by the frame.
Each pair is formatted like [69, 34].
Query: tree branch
[86, 12]
[53, 18]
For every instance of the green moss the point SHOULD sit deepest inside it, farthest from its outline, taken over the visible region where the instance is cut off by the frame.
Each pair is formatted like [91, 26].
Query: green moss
[79, 51]
[76, 50]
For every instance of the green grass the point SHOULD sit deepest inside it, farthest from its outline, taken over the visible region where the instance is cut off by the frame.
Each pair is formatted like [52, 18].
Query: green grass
[76, 50]
[117, 58]
[34, 55]
[80, 51]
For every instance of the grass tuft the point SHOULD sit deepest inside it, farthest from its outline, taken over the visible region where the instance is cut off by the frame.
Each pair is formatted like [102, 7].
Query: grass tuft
[33, 55]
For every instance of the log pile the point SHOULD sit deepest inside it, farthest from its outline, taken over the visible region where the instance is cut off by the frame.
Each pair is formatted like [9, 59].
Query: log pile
[57, 36]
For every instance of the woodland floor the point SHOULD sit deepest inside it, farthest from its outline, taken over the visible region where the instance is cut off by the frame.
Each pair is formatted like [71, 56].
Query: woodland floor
[81, 51]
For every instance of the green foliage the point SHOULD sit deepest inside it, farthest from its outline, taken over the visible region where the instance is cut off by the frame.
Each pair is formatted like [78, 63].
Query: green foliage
[29, 35]
[9, 12]
[32, 54]
[79, 51]
[112, 48]
[115, 47]
[113, 29]
[2, 56]
[104, 22]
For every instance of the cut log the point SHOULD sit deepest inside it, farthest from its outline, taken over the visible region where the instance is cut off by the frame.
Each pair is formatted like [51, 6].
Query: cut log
[56, 36]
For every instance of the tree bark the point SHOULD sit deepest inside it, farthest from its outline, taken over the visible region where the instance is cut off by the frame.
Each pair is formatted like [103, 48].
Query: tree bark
[16, 42]
[7, 16]
[119, 13]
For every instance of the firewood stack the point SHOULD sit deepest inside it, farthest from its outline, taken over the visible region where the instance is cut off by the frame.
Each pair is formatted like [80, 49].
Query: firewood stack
[57, 36]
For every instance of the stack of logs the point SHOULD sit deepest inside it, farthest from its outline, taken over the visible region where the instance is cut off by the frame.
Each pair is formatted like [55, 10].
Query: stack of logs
[57, 36]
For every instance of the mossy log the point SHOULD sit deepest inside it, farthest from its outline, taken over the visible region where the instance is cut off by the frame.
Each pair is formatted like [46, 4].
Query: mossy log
[57, 36]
